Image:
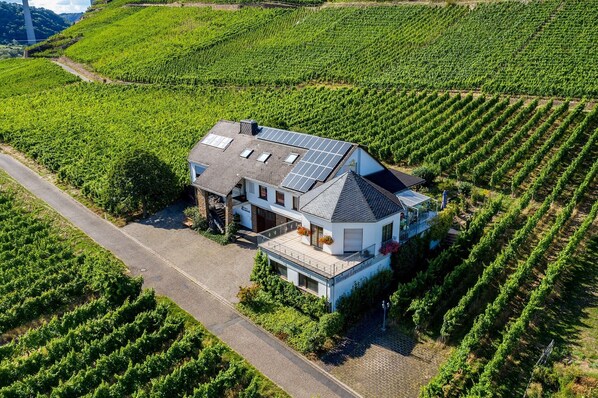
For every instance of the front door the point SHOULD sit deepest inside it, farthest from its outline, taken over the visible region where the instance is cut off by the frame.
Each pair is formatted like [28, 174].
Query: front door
[316, 233]
[264, 219]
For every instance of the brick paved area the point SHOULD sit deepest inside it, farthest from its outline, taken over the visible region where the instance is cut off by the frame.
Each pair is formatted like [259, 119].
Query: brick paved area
[383, 364]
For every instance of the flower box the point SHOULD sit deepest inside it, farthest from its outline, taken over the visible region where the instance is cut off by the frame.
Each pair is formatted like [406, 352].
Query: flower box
[326, 240]
[302, 231]
[389, 247]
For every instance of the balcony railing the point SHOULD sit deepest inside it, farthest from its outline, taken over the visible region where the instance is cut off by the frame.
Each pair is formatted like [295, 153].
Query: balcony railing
[355, 259]
[278, 230]
[273, 240]
[421, 225]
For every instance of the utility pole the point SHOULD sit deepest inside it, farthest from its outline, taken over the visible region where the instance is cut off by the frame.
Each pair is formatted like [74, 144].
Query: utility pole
[28, 23]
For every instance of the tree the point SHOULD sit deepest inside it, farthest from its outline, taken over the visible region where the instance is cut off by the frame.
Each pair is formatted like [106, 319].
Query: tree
[139, 181]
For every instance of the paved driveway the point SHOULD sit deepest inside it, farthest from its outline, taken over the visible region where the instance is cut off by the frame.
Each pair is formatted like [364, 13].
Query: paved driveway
[222, 269]
[287, 369]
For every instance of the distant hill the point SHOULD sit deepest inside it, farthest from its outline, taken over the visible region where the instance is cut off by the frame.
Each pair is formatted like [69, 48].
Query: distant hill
[12, 26]
[72, 17]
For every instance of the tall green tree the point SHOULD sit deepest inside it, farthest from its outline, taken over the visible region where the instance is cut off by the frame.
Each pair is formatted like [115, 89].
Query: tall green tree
[139, 181]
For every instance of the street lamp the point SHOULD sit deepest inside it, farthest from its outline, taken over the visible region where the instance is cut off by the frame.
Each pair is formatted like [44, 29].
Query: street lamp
[385, 307]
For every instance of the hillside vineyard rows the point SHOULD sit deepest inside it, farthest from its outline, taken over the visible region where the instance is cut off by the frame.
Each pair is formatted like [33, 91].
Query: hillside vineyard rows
[377, 76]
[72, 324]
[466, 135]
[504, 47]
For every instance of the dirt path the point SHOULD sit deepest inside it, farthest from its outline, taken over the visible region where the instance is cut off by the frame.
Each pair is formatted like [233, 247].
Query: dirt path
[81, 71]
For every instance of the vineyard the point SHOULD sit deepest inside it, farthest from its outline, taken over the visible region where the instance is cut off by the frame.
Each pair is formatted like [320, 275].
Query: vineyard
[20, 76]
[418, 86]
[73, 324]
[504, 47]
[464, 136]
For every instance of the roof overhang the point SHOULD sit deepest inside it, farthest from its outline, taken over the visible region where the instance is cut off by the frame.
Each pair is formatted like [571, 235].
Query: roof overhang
[411, 198]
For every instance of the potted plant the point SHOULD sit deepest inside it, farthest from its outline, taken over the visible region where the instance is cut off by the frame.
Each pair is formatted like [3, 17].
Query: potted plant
[326, 240]
[302, 231]
[389, 247]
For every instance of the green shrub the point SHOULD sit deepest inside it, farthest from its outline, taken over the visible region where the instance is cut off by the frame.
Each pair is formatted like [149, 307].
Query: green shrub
[138, 181]
[364, 296]
[331, 324]
[285, 292]
[248, 294]
[465, 188]
[198, 221]
[442, 223]
[428, 172]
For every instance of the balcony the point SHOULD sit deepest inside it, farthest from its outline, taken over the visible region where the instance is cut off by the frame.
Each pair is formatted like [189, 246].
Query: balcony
[416, 224]
[284, 241]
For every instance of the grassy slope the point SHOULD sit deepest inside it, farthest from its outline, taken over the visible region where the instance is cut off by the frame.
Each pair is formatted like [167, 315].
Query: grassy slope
[500, 47]
[20, 76]
[104, 263]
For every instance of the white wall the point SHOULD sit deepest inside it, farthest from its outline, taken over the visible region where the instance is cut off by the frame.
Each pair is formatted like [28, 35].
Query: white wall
[244, 212]
[293, 275]
[372, 232]
[253, 191]
[365, 163]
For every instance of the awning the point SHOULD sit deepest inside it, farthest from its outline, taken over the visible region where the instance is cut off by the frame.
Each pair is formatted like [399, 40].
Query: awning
[411, 198]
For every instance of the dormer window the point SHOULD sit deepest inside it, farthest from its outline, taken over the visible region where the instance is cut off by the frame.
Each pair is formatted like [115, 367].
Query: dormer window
[291, 158]
[263, 157]
[246, 152]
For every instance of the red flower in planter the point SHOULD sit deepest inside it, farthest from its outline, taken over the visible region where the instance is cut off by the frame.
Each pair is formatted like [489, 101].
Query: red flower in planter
[390, 247]
[302, 231]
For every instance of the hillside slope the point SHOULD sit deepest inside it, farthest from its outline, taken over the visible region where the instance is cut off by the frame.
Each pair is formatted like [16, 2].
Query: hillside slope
[541, 47]
[12, 25]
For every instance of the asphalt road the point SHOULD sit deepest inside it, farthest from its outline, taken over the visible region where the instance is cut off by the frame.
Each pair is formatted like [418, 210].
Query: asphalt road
[296, 375]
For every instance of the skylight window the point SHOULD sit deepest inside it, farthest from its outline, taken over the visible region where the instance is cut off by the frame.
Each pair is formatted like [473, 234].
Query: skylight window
[263, 157]
[217, 141]
[246, 152]
[291, 158]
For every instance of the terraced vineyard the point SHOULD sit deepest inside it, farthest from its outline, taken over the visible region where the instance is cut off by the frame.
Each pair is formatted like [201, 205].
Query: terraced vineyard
[72, 324]
[504, 47]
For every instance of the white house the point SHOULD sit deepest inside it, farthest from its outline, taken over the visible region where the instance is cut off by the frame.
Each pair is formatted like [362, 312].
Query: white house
[326, 210]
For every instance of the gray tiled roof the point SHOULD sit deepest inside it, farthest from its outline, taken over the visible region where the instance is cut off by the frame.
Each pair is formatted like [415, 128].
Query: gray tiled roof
[226, 167]
[394, 180]
[350, 198]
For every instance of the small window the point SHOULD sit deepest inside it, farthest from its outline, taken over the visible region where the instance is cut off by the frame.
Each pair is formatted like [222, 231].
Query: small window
[308, 283]
[280, 198]
[198, 170]
[263, 157]
[295, 202]
[387, 232]
[246, 152]
[280, 269]
[291, 158]
[263, 192]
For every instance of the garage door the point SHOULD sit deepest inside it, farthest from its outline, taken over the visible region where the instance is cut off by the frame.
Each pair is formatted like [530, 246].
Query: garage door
[353, 239]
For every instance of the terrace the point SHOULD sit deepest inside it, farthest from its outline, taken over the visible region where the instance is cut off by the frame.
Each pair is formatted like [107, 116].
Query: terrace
[421, 210]
[284, 241]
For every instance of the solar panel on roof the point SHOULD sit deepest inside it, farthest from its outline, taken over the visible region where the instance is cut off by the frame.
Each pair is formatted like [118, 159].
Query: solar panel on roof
[316, 165]
[216, 141]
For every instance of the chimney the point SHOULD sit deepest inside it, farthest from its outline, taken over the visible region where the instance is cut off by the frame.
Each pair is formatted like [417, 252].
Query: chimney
[249, 127]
